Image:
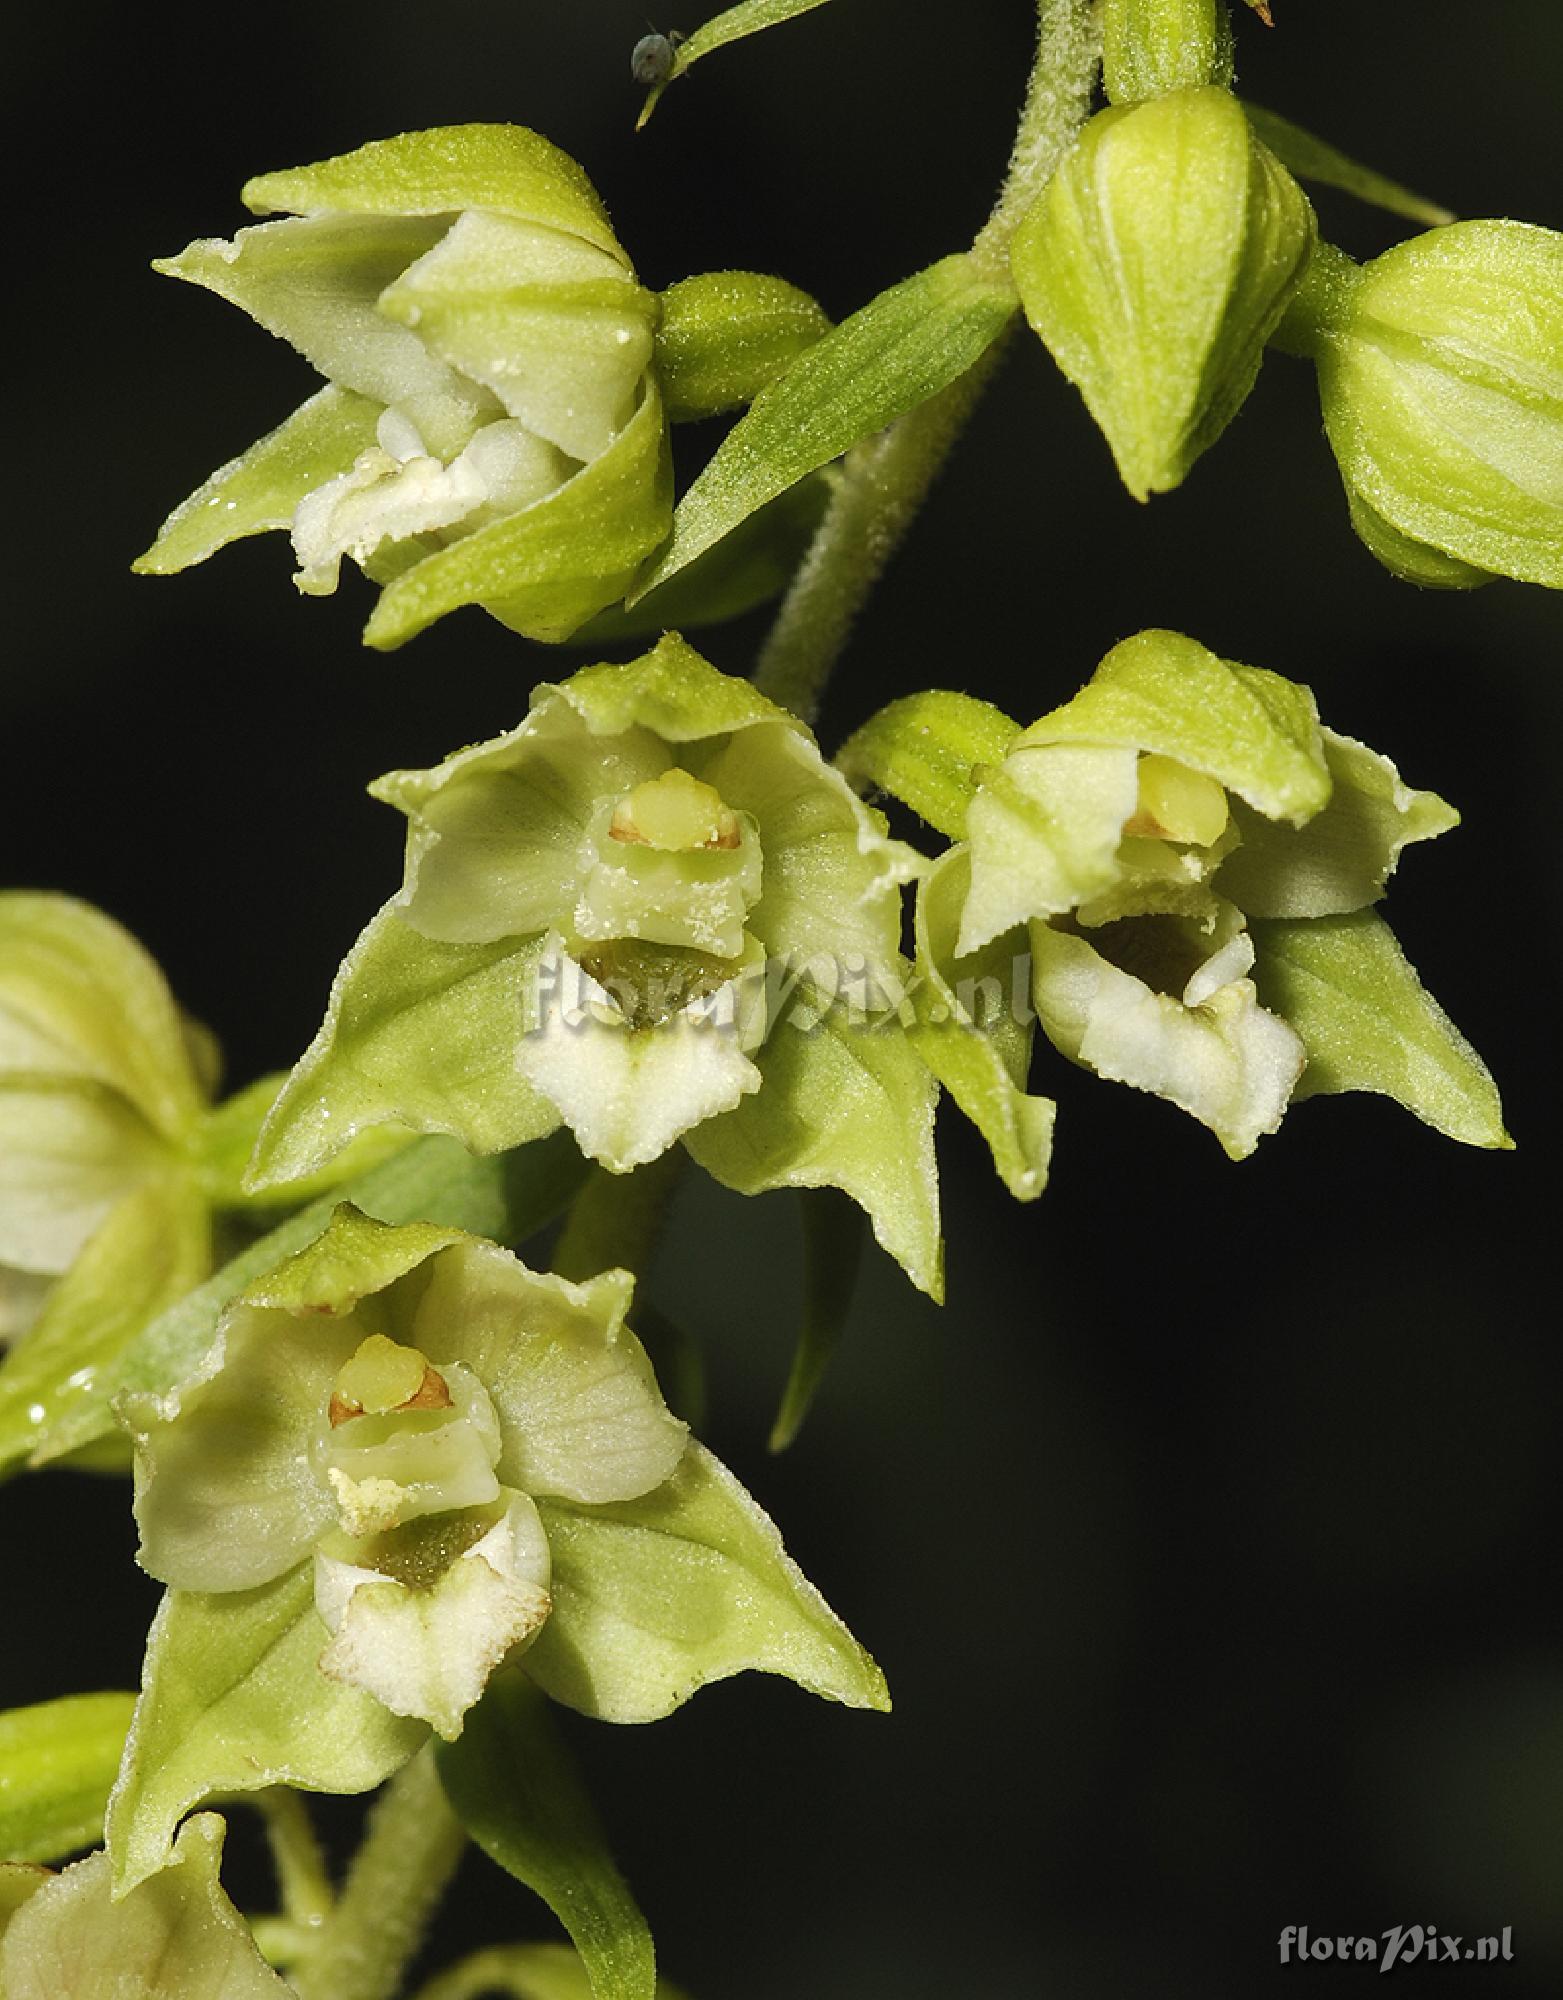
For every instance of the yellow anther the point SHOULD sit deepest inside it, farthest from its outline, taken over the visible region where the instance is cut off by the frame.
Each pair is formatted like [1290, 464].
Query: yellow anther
[1176, 803]
[676, 813]
[382, 1377]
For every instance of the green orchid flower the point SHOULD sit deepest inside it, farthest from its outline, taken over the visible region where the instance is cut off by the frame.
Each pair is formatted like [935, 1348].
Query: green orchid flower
[406, 1461]
[104, 1096]
[1189, 860]
[1441, 380]
[492, 432]
[118, 1174]
[652, 912]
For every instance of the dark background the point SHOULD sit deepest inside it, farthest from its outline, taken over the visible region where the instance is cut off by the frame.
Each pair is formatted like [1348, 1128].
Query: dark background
[1208, 1536]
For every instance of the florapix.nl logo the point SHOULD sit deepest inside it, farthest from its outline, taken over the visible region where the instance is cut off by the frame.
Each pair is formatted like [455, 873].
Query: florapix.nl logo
[1401, 1944]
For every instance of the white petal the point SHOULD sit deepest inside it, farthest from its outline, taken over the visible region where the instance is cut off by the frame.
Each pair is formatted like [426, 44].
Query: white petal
[628, 1093]
[429, 1653]
[1218, 1055]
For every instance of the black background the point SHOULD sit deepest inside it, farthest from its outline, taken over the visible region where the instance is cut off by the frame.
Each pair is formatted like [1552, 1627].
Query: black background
[1208, 1536]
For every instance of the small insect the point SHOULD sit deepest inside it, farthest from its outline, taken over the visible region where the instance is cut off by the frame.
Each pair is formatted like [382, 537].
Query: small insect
[653, 59]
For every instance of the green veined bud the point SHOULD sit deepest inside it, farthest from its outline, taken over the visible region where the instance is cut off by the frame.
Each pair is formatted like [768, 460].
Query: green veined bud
[1151, 47]
[1441, 379]
[1155, 265]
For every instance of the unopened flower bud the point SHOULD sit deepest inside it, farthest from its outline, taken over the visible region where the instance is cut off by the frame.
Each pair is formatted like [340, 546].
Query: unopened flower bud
[1441, 378]
[1155, 265]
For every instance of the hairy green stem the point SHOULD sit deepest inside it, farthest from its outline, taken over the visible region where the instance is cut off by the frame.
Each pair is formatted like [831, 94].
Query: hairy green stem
[409, 1854]
[884, 481]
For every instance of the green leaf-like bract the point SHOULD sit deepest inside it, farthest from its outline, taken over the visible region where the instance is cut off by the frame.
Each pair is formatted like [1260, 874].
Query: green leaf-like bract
[833, 1233]
[517, 1792]
[895, 353]
[233, 1700]
[1313, 159]
[57, 1764]
[739, 573]
[655, 1597]
[749, 17]
[1368, 1023]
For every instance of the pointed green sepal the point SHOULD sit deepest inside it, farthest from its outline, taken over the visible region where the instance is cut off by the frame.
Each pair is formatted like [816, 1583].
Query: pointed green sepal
[843, 1102]
[261, 488]
[1368, 1023]
[419, 1034]
[233, 1700]
[654, 1598]
[974, 1029]
[1342, 859]
[503, 169]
